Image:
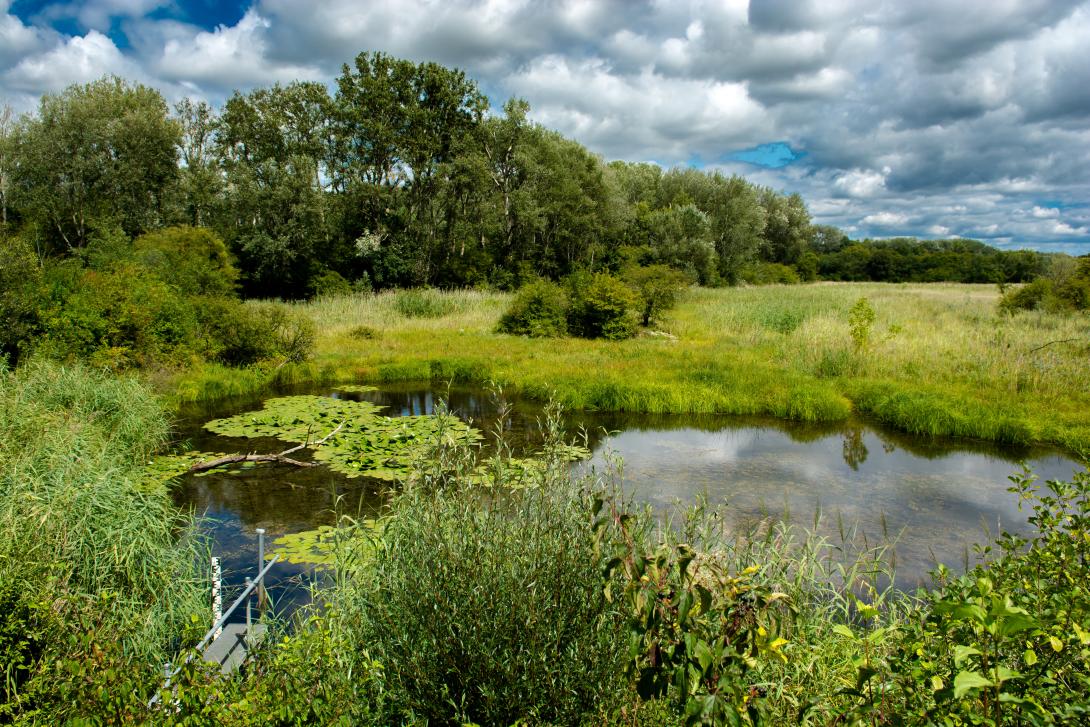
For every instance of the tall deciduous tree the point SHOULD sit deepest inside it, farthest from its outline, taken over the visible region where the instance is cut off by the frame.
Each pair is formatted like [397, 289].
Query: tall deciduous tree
[97, 155]
[274, 145]
[200, 180]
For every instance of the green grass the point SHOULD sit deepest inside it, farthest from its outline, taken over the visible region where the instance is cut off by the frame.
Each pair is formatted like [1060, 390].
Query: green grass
[942, 360]
[89, 557]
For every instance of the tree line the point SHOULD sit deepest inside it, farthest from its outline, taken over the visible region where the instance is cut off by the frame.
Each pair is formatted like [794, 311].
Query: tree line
[401, 176]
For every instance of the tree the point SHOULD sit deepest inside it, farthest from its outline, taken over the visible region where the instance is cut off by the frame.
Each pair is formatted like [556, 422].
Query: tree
[7, 127]
[681, 239]
[192, 259]
[399, 128]
[99, 154]
[787, 231]
[200, 179]
[273, 145]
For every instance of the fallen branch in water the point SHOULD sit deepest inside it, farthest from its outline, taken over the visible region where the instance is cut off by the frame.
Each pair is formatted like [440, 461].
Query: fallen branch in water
[281, 458]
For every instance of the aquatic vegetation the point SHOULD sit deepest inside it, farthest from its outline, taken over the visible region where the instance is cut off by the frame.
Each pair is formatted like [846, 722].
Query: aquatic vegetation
[358, 441]
[162, 468]
[354, 388]
[347, 544]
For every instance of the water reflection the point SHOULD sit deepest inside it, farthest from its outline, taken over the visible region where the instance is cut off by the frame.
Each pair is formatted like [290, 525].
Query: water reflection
[936, 497]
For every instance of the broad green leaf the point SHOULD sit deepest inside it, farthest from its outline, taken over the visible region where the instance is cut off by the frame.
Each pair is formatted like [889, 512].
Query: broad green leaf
[966, 681]
[843, 631]
[961, 653]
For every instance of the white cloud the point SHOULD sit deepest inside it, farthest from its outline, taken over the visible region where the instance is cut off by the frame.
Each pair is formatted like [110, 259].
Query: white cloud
[960, 115]
[863, 182]
[886, 219]
[228, 57]
[77, 60]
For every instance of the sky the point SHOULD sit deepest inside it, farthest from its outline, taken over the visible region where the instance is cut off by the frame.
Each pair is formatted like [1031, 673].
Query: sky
[931, 118]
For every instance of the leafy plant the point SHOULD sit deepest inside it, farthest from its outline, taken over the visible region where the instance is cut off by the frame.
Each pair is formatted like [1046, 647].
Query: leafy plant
[861, 324]
[658, 288]
[602, 307]
[539, 310]
[695, 630]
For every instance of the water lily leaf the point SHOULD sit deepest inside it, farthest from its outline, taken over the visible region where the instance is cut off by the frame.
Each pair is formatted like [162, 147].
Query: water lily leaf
[163, 468]
[355, 388]
[327, 545]
[366, 443]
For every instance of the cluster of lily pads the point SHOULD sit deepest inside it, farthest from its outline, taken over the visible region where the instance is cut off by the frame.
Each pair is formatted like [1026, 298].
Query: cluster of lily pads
[354, 438]
[348, 544]
[350, 437]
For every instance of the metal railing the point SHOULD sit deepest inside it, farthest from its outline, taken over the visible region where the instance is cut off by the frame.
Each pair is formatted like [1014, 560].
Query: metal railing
[217, 627]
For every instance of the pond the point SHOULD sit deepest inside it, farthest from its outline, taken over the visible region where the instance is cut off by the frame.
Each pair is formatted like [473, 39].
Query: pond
[933, 498]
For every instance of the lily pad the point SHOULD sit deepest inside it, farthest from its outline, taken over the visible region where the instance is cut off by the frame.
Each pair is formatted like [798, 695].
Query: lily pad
[297, 419]
[355, 388]
[358, 440]
[327, 545]
[165, 467]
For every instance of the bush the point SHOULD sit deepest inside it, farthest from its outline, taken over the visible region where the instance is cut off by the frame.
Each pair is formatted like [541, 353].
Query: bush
[240, 334]
[539, 310]
[194, 260]
[329, 283]
[488, 610]
[1031, 296]
[658, 287]
[21, 300]
[422, 303]
[770, 274]
[126, 317]
[602, 307]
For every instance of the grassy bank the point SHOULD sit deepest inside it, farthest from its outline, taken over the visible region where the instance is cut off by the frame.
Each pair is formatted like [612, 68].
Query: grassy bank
[99, 580]
[940, 359]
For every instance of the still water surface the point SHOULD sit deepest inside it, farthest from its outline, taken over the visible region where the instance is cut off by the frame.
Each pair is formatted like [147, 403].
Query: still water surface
[935, 498]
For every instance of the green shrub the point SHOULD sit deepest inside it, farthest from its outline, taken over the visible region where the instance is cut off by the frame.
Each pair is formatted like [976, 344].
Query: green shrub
[422, 303]
[126, 317]
[770, 274]
[240, 334]
[329, 283]
[861, 324]
[21, 297]
[658, 287]
[602, 307]
[488, 610]
[192, 259]
[1031, 296]
[1007, 642]
[539, 310]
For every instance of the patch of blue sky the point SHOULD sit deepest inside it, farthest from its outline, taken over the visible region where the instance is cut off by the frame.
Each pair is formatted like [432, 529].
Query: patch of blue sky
[774, 155]
[63, 16]
[1059, 204]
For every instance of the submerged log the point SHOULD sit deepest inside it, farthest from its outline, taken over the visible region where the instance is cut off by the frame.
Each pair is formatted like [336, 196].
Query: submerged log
[281, 458]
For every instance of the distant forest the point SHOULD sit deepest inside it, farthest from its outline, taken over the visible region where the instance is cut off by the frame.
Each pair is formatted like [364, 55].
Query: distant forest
[401, 177]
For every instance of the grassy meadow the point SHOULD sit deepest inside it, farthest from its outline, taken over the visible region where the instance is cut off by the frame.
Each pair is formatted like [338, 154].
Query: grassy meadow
[940, 359]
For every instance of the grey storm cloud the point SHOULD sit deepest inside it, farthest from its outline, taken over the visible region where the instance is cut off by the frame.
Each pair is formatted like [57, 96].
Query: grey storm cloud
[929, 118]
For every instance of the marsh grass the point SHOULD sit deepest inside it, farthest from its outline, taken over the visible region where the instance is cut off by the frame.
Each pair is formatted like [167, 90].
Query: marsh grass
[941, 359]
[81, 542]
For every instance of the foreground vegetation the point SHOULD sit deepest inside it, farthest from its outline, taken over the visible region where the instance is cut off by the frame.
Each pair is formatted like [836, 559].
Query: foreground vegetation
[547, 600]
[937, 359]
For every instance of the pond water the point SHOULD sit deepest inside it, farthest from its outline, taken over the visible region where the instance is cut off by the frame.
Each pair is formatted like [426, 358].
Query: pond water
[933, 498]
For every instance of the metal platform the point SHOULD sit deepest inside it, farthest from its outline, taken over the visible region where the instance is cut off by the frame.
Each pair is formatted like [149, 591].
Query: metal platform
[232, 647]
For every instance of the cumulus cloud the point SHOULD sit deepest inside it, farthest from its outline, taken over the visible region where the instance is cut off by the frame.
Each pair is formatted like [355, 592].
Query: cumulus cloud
[934, 118]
